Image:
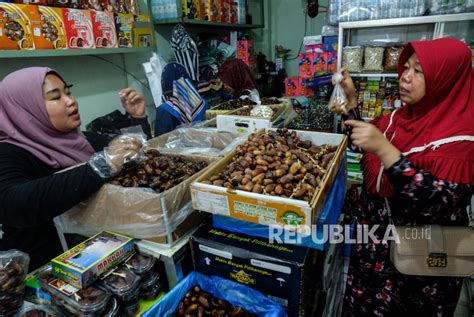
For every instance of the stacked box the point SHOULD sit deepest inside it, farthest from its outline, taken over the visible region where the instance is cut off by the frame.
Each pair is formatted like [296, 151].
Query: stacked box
[305, 63]
[292, 87]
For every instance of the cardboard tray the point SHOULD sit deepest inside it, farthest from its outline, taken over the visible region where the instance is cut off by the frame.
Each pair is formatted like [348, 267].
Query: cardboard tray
[137, 212]
[265, 209]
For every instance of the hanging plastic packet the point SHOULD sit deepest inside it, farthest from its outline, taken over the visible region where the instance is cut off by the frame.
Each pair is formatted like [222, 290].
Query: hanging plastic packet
[338, 102]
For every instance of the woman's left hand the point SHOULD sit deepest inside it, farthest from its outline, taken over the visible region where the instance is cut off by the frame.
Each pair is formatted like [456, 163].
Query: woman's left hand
[133, 102]
[370, 139]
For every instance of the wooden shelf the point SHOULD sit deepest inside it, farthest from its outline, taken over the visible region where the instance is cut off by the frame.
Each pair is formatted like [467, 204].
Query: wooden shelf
[208, 24]
[54, 53]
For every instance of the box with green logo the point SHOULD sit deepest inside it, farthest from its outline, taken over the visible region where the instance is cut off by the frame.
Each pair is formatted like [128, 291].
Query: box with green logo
[87, 261]
[287, 274]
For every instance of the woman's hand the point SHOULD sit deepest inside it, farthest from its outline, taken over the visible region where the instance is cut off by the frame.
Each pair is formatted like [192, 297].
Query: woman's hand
[348, 85]
[370, 139]
[133, 102]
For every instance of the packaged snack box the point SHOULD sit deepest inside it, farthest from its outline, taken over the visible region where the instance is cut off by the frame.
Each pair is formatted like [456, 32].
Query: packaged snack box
[142, 31]
[80, 34]
[124, 28]
[47, 27]
[224, 10]
[105, 35]
[86, 262]
[292, 87]
[15, 32]
[305, 65]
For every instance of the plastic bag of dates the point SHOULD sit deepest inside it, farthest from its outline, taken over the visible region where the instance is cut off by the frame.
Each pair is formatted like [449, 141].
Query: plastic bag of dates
[276, 163]
[202, 295]
[13, 268]
[159, 172]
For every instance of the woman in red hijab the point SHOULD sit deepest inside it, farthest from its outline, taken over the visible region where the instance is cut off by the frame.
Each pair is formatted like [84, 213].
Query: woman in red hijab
[237, 77]
[419, 166]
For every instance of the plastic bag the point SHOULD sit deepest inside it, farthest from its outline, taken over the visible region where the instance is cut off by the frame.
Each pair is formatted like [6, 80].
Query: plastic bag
[13, 268]
[235, 293]
[373, 58]
[338, 102]
[121, 150]
[352, 58]
[390, 60]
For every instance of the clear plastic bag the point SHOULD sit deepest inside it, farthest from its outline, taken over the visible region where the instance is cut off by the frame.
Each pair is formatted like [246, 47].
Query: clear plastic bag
[352, 58]
[121, 150]
[338, 102]
[13, 269]
[390, 60]
[373, 58]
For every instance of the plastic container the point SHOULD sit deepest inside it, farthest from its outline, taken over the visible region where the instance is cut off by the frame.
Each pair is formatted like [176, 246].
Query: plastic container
[88, 302]
[38, 311]
[150, 288]
[112, 308]
[142, 264]
[13, 268]
[125, 286]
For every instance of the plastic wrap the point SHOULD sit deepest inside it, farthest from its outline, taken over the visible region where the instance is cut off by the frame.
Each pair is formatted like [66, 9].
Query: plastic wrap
[13, 268]
[346, 10]
[205, 141]
[448, 6]
[329, 30]
[352, 58]
[391, 56]
[137, 212]
[121, 150]
[125, 286]
[373, 58]
[235, 293]
[37, 311]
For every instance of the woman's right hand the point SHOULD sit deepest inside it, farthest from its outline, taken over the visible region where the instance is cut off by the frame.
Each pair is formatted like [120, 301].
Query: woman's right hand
[348, 85]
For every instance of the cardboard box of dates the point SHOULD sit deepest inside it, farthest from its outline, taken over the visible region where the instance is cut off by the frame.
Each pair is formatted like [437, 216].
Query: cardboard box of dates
[277, 177]
[272, 269]
[245, 120]
[140, 203]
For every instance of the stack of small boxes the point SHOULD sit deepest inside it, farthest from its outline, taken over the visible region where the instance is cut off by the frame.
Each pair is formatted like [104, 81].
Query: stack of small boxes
[319, 58]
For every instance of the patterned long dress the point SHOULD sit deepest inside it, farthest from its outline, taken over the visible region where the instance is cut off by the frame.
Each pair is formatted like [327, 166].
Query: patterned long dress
[374, 287]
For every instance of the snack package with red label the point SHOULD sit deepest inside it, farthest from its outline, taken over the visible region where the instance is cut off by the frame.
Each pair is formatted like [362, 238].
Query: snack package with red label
[304, 89]
[305, 65]
[292, 87]
[47, 27]
[105, 35]
[224, 11]
[80, 34]
[214, 10]
[234, 11]
[332, 62]
[15, 31]
[91, 5]
[124, 29]
[319, 62]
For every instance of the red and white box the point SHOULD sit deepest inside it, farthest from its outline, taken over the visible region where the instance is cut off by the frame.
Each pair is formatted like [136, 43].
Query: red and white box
[292, 86]
[79, 30]
[105, 35]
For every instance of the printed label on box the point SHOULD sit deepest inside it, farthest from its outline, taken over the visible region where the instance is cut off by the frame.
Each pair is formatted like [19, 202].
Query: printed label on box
[15, 25]
[217, 203]
[104, 29]
[124, 28]
[79, 30]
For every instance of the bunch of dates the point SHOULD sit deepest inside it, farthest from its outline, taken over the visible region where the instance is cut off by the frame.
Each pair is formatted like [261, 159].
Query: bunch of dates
[159, 172]
[276, 163]
[13, 268]
[197, 303]
[269, 101]
[234, 104]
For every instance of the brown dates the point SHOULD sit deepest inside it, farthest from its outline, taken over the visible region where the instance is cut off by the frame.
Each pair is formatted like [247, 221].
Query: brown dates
[207, 304]
[277, 163]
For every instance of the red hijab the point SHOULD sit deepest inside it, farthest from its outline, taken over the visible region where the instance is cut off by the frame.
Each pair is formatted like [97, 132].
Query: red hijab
[237, 75]
[445, 111]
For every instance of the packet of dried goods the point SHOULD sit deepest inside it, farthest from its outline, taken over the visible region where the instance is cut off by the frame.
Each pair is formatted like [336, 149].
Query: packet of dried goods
[338, 102]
